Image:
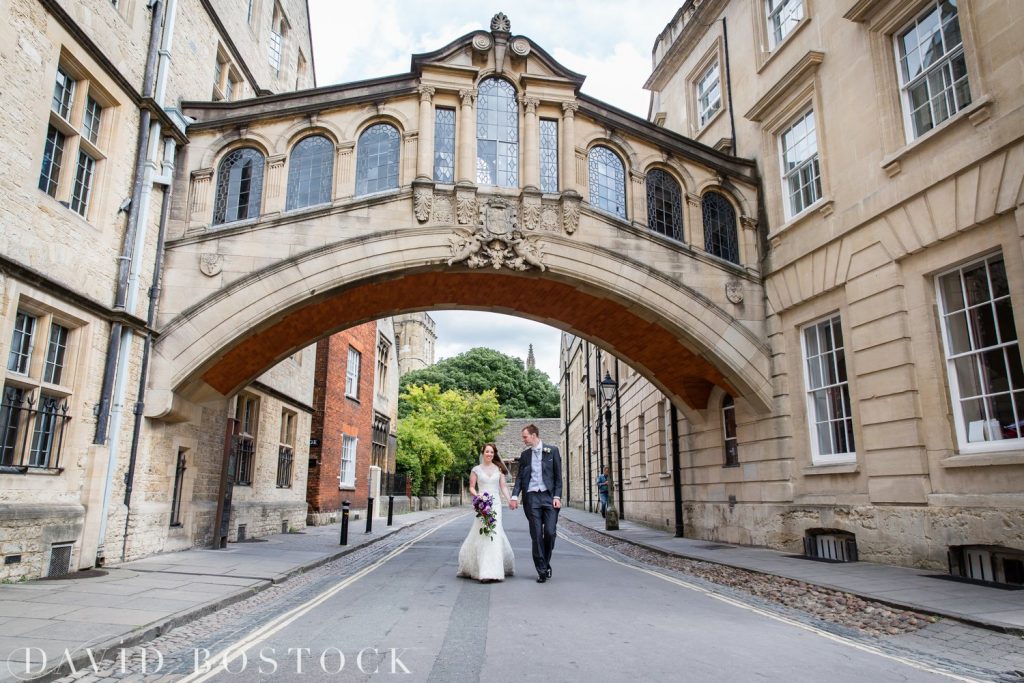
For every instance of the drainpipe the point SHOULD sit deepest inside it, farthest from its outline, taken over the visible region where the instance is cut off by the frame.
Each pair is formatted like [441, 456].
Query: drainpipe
[728, 80]
[161, 33]
[618, 446]
[589, 494]
[677, 473]
[567, 459]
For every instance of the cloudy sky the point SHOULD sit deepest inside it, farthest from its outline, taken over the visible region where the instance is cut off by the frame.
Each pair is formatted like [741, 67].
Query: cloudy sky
[605, 40]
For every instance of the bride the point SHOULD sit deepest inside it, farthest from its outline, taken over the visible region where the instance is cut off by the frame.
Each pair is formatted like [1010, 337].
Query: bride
[482, 557]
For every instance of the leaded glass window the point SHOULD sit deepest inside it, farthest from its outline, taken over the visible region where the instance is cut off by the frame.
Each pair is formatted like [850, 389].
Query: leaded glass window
[310, 172]
[607, 181]
[63, 94]
[548, 155]
[664, 205]
[21, 343]
[497, 134]
[720, 227]
[53, 156]
[239, 186]
[444, 145]
[53, 369]
[91, 120]
[377, 159]
[82, 189]
[933, 73]
[729, 440]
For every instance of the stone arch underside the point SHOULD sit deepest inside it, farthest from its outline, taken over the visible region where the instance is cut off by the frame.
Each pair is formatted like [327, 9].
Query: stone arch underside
[672, 335]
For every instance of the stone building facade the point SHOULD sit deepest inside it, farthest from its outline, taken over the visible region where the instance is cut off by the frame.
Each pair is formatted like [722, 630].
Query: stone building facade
[890, 197]
[81, 482]
[415, 338]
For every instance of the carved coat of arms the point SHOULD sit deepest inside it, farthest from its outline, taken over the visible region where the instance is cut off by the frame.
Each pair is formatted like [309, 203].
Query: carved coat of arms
[497, 240]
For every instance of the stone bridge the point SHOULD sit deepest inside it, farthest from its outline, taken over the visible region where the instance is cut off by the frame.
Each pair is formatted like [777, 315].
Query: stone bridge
[482, 179]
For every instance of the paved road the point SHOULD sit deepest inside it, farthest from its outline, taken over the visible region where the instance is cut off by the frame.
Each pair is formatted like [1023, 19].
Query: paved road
[599, 619]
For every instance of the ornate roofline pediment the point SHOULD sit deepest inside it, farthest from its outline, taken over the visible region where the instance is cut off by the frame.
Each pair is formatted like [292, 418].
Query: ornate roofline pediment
[503, 44]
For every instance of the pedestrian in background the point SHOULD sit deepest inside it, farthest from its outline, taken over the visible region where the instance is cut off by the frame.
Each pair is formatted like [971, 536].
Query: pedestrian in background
[602, 489]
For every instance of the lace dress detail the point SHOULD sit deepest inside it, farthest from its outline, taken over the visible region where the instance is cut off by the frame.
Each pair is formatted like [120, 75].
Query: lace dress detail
[481, 557]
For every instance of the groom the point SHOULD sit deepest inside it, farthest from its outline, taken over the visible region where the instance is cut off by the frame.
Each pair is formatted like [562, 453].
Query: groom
[540, 482]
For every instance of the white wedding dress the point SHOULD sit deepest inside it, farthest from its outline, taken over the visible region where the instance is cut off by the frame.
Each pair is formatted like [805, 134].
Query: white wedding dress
[482, 557]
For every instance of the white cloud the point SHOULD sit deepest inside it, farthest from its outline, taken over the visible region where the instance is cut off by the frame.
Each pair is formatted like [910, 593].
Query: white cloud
[459, 331]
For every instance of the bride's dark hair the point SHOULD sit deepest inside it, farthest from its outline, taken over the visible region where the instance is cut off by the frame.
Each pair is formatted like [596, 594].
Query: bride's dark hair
[497, 458]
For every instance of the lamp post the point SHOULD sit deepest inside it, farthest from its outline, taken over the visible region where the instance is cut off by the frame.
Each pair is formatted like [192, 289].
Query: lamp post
[609, 387]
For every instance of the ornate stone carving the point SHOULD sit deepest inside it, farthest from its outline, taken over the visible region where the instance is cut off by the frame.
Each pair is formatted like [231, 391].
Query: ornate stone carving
[531, 212]
[733, 292]
[521, 46]
[570, 214]
[569, 109]
[496, 241]
[466, 208]
[482, 42]
[426, 93]
[549, 219]
[468, 96]
[211, 264]
[530, 103]
[499, 22]
[443, 209]
[422, 199]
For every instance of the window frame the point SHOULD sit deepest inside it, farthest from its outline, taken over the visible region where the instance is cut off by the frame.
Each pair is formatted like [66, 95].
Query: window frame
[707, 114]
[773, 42]
[352, 375]
[806, 112]
[220, 213]
[948, 56]
[309, 165]
[446, 166]
[363, 154]
[548, 156]
[248, 433]
[731, 457]
[735, 233]
[677, 229]
[347, 439]
[964, 445]
[286, 449]
[502, 147]
[818, 458]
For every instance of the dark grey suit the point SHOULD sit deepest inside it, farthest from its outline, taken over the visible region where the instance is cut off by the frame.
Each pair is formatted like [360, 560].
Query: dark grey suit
[538, 506]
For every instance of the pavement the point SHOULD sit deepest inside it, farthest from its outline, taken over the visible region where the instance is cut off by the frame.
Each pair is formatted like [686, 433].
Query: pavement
[137, 601]
[922, 590]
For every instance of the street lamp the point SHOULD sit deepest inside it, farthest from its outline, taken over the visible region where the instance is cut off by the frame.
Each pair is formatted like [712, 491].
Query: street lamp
[608, 389]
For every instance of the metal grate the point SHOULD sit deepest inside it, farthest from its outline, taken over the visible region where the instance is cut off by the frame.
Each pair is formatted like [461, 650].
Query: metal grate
[60, 559]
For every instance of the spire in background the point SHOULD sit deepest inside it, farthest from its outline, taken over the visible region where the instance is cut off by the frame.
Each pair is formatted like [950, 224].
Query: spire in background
[531, 362]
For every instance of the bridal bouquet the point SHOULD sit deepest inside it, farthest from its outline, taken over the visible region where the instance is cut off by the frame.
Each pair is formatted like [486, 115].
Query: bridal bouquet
[484, 507]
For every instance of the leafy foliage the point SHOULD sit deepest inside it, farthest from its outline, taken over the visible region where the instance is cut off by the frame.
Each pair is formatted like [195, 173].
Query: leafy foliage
[520, 392]
[443, 432]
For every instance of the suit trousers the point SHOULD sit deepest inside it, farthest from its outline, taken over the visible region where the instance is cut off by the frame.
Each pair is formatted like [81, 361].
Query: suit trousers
[543, 519]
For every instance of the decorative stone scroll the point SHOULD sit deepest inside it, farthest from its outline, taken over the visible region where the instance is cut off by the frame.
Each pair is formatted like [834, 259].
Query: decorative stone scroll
[521, 46]
[482, 42]
[531, 210]
[422, 201]
[570, 213]
[465, 205]
[496, 241]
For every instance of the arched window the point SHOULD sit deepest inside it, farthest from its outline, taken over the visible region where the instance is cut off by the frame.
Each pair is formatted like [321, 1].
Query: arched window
[239, 186]
[720, 227]
[377, 159]
[310, 172]
[732, 457]
[497, 134]
[664, 205]
[607, 181]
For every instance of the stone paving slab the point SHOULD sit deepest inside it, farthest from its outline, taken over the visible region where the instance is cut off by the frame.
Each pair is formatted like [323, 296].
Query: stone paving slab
[907, 587]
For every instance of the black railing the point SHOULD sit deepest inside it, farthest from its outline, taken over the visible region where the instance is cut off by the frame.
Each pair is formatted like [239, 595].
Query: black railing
[240, 465]
[46, 420]
[285, 458]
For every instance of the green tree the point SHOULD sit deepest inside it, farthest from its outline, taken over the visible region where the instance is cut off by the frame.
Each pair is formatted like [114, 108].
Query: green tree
[460, 421]
[521, 393]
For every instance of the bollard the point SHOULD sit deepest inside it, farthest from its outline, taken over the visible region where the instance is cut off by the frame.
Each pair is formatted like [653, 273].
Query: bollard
[344, 523]
[391, 508]
[369, 514]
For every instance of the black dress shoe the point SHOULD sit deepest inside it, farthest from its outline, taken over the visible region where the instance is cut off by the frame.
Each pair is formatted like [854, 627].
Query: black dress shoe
[548, 572]
[542, 578]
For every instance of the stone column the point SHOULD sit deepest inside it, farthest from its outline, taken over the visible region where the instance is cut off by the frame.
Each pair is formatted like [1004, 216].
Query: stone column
[693, 221]
[200, 212]
[639, 181]
[531, 156]
[344, 186]
[425, 142]
[466, 171]
[568, 141]
[274, 198]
